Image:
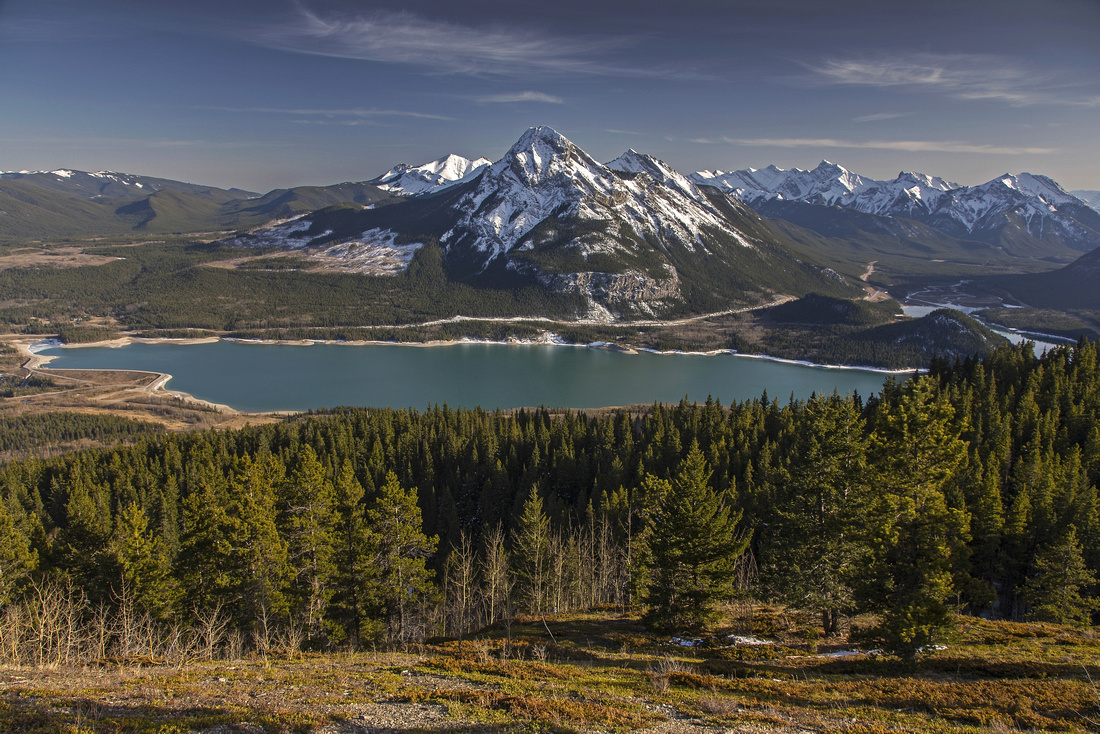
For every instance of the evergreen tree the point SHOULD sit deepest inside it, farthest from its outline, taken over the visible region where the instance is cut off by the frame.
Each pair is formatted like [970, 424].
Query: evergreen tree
[82, 542]
[695, 548]
[531, 554]
[17, 559]
[404, 584]
[142, 564]
[1055, 589]
[812, 546]
[307, 521]
[259, 568]
[354, 579]
[916, 452]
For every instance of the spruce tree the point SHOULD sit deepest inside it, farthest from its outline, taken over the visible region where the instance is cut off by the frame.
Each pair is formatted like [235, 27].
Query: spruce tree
[531, 554]
[695, 547]
[404, 584]
[307, 521]
[911, 530]
[812, 547]
[354, 577]
[1058, 590]
[17, 559]
[141, 562]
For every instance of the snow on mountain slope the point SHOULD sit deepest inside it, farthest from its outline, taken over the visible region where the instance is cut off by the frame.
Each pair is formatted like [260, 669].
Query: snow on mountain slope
[828, 184]
[449, 170]
[545, 175]
[1028, 201]
[372, 252]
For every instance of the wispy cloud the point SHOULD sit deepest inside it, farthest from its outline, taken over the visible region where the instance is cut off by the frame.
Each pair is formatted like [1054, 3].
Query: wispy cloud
[522, 97]
[622, 132]
[910, 146]
[963, 76]
[880, 116]
[353, 116]
[450, 48]
[701, 141]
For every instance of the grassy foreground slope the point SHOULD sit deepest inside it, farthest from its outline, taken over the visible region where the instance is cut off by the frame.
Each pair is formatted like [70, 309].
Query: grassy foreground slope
[584, 673]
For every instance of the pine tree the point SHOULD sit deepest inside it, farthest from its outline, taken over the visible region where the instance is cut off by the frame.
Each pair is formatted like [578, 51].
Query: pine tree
[307, 519]
[531, 554]
[259, 568]
[17, 559]
[695, 548]
[1055, 589]
[813, 549]
[404, 585]
[916, 452]
[142, 564]
[354, 579]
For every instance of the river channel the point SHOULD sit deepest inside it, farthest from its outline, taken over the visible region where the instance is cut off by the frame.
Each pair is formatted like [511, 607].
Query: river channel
[281, 377]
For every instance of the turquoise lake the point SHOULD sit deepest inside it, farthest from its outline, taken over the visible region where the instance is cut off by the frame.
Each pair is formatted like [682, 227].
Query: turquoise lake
[264, 377]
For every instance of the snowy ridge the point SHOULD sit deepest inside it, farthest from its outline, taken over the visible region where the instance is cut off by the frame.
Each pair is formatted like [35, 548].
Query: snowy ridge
[1035, 199]
[1092, 198]
[545, 175]
[406, 180]
[828, 184]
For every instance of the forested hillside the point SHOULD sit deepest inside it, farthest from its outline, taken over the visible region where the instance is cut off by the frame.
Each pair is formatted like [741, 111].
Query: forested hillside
[972, 488]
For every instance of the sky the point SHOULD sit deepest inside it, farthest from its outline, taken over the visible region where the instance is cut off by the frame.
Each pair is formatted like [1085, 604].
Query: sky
[262, 94]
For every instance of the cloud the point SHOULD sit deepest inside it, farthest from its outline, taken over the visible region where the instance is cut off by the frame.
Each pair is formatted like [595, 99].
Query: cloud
[522, 97]
[963, 76]
[880, 116]
[353, 116]
[622, 132]
[909, 146]
[450, 48]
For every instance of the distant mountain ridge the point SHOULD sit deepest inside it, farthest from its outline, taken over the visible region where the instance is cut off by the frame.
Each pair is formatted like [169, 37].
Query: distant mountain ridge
[999, 211]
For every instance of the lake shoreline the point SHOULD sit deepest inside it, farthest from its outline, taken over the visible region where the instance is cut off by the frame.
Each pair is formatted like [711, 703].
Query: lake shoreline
[519, 385]
[551, 341]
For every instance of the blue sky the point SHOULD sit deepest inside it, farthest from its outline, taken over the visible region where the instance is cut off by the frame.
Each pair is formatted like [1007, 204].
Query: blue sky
[273, 93]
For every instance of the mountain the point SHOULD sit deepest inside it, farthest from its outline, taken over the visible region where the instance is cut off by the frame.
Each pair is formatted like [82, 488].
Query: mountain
[406, 180]
[828, 184]
[1025, 214]
[630, 237]
[1092, 198]
[1072, 288]
[69, 204]
[114, 185]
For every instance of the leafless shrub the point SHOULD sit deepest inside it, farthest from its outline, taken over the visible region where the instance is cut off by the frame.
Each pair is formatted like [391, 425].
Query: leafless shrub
[718, 706]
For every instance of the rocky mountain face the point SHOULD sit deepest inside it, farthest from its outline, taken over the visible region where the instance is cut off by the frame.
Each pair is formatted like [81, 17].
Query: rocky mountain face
[1001, 211]
[632, 237]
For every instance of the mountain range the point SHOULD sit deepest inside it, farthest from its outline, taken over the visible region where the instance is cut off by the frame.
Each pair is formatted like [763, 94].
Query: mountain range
[631, 236]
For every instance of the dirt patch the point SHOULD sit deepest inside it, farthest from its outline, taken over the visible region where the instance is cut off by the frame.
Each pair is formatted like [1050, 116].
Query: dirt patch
[59, 257]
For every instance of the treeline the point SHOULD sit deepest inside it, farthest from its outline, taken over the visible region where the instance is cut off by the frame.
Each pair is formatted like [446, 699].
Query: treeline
[167, 285]
[48, 432]
[970, 489]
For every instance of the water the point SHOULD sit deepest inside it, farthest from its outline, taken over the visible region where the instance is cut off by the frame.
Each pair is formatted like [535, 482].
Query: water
[1016, 337]
[266, 377]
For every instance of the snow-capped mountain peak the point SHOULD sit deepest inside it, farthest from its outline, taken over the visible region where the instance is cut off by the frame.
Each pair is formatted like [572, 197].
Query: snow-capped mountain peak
[406, 180]
[545, 175]
[634, 162]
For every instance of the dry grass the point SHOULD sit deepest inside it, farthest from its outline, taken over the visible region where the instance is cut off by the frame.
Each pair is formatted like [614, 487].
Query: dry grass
[600, 672]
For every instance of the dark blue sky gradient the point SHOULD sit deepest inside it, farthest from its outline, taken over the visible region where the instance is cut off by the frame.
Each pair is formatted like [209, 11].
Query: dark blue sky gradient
[279, 93]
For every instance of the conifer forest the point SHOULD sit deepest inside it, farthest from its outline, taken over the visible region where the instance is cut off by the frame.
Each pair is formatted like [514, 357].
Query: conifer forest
[969, 490]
